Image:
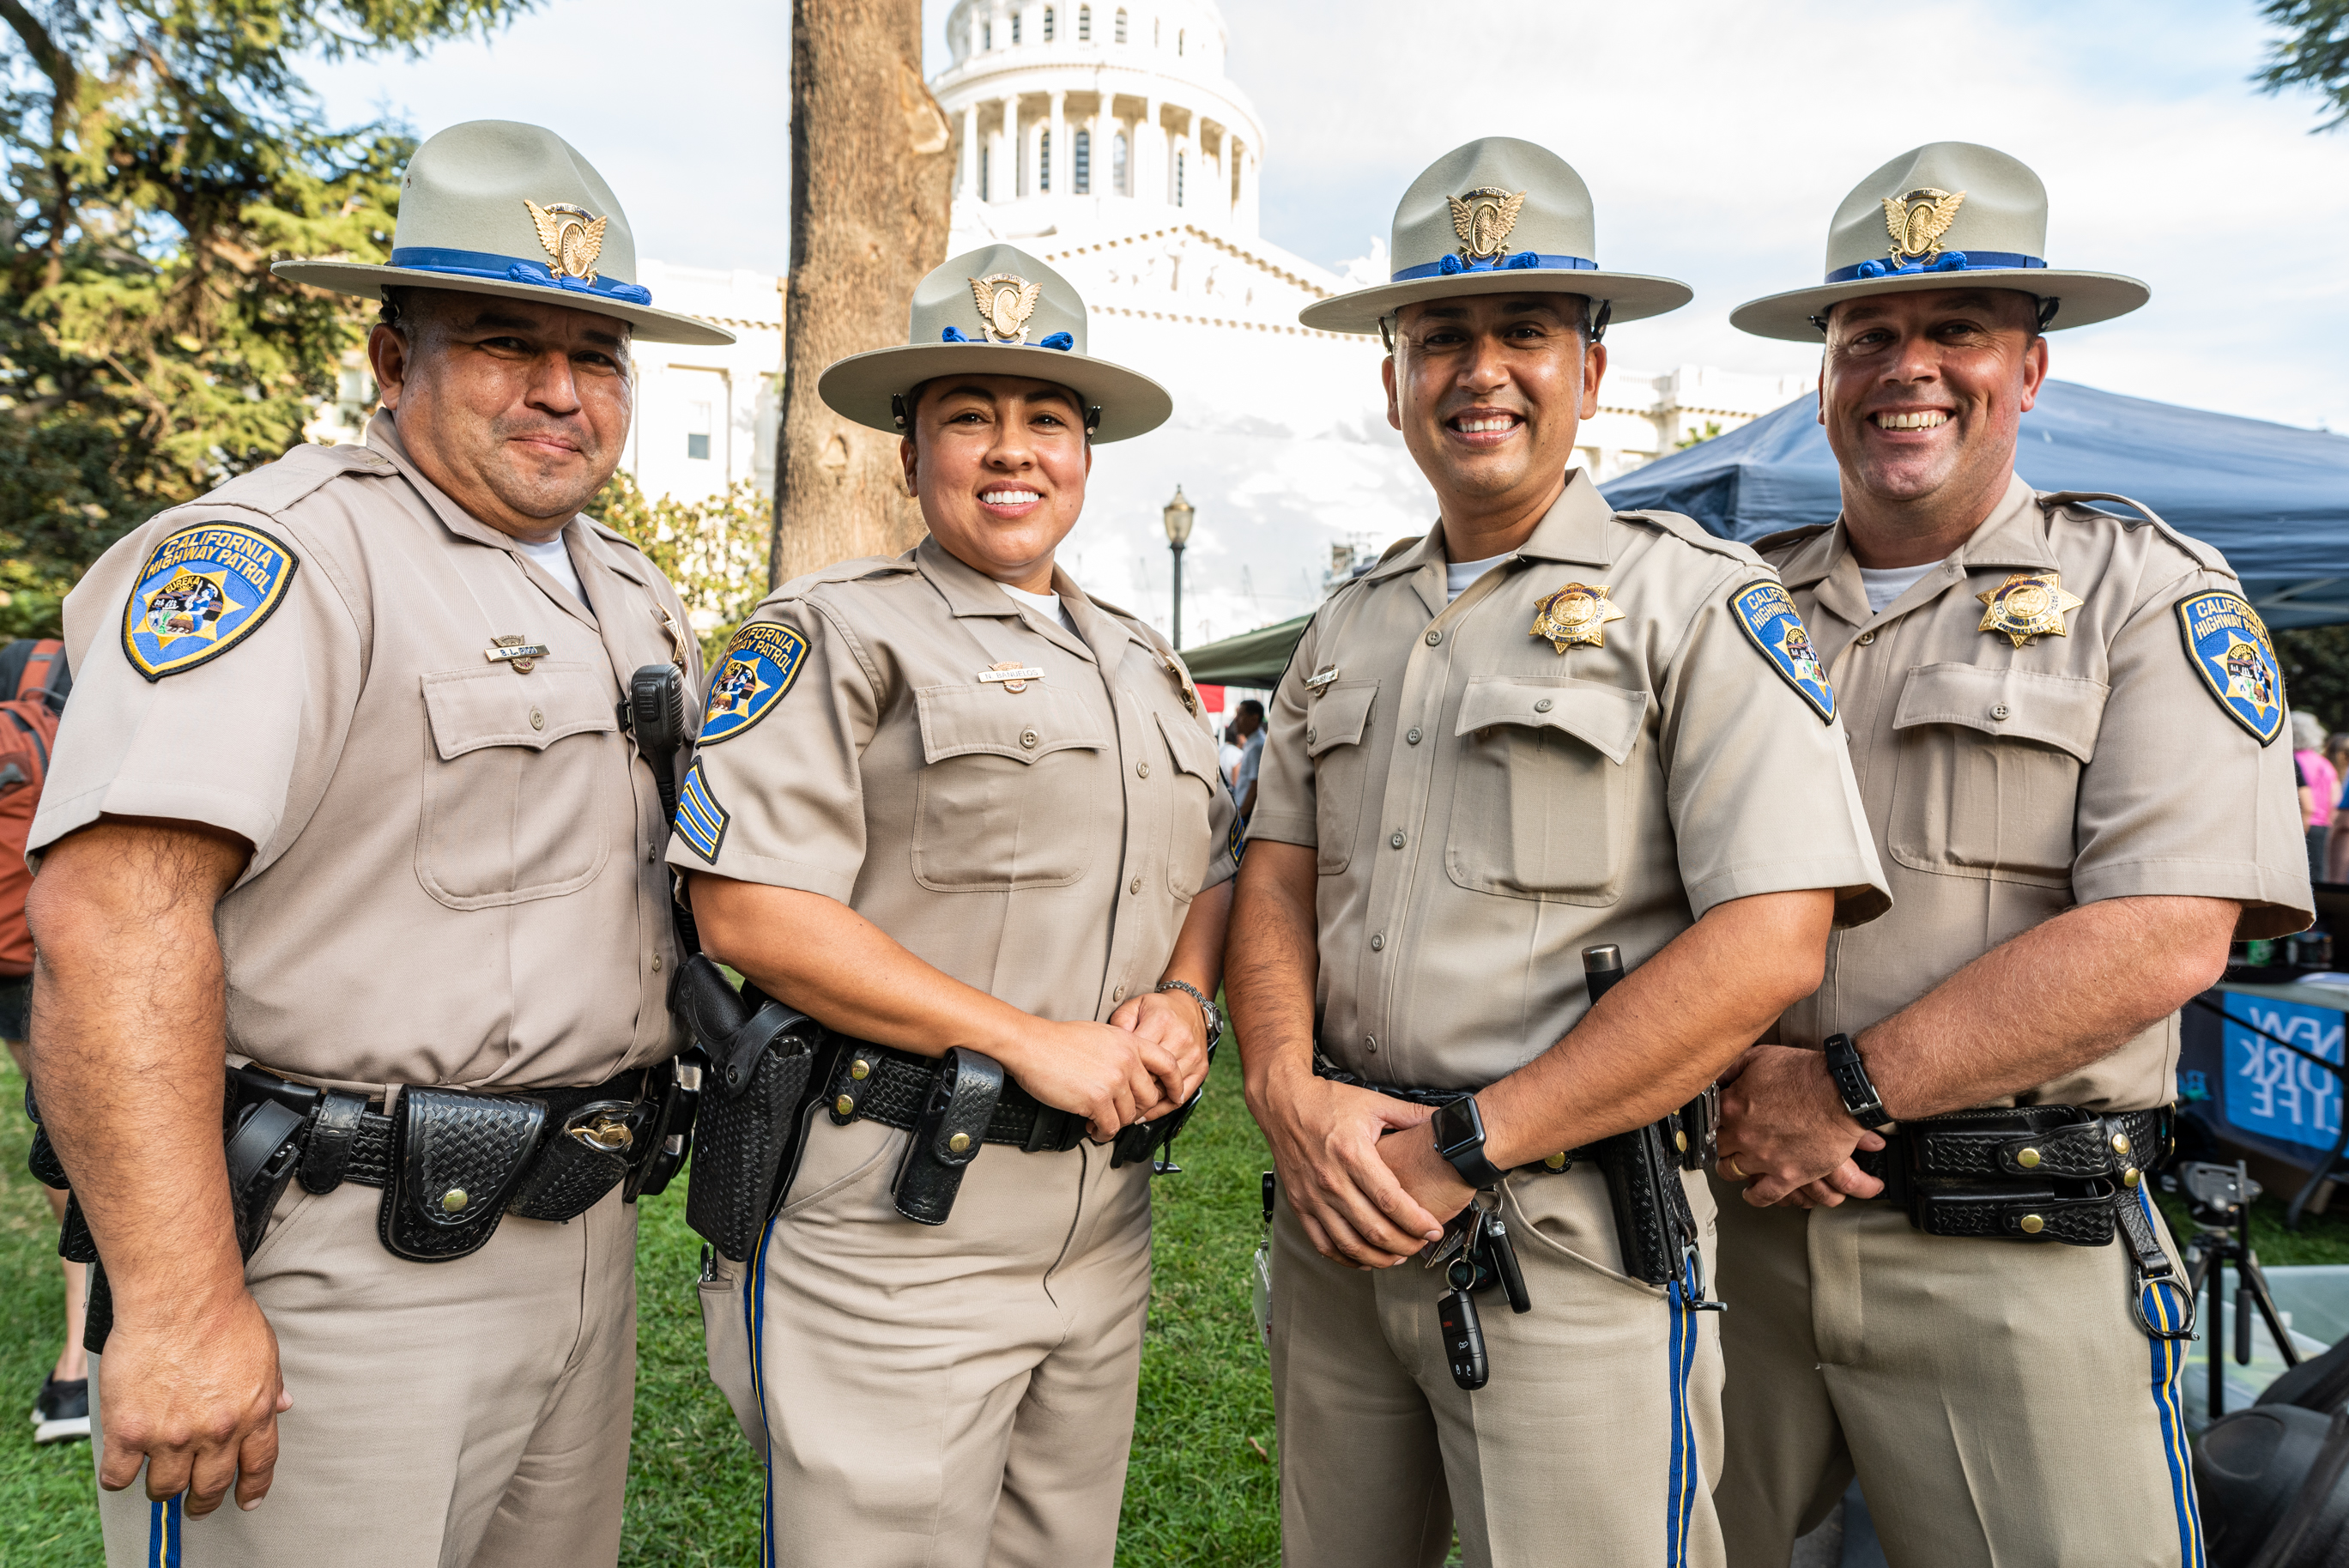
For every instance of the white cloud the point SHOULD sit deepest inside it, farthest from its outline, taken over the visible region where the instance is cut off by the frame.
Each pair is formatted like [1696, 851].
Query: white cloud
[1716, 136]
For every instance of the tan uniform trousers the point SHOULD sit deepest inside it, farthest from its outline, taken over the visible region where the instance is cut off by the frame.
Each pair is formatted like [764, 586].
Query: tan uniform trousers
[1998, 1399]
[941, 1397]
[445, 1414]
[1596, 1442]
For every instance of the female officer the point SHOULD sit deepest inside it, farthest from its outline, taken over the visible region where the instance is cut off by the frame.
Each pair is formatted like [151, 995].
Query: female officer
[948, 801]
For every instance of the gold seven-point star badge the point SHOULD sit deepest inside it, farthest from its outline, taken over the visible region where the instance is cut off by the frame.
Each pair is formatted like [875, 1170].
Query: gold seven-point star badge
[1577, 613]
[2026, 605]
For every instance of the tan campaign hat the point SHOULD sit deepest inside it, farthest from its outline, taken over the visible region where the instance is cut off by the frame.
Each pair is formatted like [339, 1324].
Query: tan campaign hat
[497, 208]
[994, 312]
[1496, 216]
[1946, 215]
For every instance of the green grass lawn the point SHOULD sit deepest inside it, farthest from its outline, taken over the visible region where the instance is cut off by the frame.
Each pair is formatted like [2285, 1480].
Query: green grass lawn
[1199, 1492]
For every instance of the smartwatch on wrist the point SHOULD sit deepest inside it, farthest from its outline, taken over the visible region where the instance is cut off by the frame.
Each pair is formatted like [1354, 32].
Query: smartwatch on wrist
[1207, 1010]
[1459, 1130]
[1851, 1081]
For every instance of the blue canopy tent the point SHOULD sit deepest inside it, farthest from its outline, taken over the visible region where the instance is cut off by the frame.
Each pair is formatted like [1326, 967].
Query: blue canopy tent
[2274, 498]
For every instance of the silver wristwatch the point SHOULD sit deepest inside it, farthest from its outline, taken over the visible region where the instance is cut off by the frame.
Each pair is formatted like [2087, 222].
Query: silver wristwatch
[1213, 1013]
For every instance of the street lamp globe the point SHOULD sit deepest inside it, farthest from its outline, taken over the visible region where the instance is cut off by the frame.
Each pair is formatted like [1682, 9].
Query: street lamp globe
[1179, 513]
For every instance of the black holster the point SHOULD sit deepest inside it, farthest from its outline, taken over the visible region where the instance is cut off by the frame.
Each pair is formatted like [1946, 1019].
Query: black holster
[1653, 1223]
[948, 1136]
[750, 1127]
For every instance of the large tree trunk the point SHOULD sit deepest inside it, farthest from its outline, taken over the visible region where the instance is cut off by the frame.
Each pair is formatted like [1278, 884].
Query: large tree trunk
[871, 183]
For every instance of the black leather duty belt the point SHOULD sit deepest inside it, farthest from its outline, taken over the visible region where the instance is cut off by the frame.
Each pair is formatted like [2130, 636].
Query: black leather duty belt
[347, 1139]
[2042, 1172]
[1323, 1068]
[883, 1084]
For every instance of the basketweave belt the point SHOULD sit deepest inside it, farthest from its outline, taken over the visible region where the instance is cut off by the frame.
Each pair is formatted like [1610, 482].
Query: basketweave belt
[883, 1084]
[2042, 1172]
[350, 1140]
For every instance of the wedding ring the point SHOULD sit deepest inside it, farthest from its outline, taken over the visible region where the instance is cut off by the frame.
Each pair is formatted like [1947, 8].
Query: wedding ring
[1730, 1160]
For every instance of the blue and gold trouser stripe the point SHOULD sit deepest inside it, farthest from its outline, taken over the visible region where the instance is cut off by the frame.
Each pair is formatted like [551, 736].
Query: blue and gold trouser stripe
[700, 820]
[1680, 1494]
[754, 1308]
[2166, 1307]
[165, 1522]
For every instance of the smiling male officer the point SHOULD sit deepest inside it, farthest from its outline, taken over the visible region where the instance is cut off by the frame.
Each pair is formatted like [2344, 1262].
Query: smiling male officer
[1545, 725]
[2064, 723]
[343, 806]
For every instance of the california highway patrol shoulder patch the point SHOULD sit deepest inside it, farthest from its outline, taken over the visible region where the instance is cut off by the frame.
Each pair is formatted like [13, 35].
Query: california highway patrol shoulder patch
[752, 675]
[2228, 643]
[1775, 627]
[700, 820]
[204, 590]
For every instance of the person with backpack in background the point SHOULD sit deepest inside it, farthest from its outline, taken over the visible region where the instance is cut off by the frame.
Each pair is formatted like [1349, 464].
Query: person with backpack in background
[33, 673]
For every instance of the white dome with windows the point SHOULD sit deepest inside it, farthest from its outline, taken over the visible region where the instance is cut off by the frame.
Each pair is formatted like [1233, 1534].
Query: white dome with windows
[1073, 113]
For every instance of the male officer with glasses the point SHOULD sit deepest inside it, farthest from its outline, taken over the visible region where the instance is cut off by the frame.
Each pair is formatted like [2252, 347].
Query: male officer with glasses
[1545, 727]
[2064, 718]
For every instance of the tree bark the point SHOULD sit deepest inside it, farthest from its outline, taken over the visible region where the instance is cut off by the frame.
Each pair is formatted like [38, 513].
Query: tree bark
[871, 187]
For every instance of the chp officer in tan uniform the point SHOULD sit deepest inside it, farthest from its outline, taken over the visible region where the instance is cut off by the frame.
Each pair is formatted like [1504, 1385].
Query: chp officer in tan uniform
[2065, 719]
[950, 806]
[1543, 727]
[343, 803]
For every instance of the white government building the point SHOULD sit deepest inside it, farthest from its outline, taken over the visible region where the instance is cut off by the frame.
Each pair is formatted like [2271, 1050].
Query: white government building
[1105, 139]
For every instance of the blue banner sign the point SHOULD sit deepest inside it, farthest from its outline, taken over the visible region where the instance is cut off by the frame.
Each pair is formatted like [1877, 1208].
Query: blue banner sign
[2272, 1092]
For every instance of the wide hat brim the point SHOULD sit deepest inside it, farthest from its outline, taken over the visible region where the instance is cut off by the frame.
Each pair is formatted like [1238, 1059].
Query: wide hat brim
[2087, 297]
[366, 281]
[860, 387]
[1632, 296]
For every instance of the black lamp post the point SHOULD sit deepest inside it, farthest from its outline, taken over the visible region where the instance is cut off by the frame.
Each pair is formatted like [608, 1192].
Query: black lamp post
[1179, 514]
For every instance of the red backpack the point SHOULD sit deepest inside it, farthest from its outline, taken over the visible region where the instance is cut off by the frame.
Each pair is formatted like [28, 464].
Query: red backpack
[33, 673]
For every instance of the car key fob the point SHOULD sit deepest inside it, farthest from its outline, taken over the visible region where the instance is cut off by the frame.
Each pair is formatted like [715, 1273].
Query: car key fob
[1463, 1339]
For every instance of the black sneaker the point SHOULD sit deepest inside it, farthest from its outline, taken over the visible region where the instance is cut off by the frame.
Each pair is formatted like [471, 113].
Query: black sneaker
[62, 1412]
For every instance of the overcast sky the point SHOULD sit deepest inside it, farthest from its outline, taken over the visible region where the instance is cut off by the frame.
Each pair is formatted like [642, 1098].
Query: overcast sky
[1716, 136]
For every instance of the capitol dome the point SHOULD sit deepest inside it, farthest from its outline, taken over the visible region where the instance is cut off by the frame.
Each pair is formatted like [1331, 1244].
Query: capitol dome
[1076, 113]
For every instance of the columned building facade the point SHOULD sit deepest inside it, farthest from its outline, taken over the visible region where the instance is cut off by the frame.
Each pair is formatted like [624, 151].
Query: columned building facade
[1091, 112]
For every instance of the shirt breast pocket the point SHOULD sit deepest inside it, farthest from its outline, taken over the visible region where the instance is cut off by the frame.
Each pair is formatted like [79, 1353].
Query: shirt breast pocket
[1541, 791]
[1986, 777]
[518, 782]
[1191, 812]
[1336, 725]
[1011, 788]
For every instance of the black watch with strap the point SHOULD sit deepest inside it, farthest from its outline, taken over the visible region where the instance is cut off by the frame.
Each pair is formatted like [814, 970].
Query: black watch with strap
[1459, 1130]
[1852, 1082]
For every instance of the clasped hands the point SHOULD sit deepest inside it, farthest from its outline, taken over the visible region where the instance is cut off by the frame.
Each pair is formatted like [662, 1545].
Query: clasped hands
[1149, 1058]
[1785, 1134]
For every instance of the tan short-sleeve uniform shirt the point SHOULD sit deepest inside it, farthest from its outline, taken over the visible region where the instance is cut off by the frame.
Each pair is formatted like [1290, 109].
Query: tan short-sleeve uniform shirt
[1484, 804]
[456, 876]
[2008, 783]
[1027, 809]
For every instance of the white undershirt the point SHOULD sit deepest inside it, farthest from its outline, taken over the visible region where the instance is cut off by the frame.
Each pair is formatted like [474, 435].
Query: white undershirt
[1886, 584]
[1459, 574]
[555, 561]
[1045, 604]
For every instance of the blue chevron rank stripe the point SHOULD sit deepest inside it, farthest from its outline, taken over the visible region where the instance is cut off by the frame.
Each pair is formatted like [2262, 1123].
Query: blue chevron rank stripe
[204, 590]
[753, 674]
[2228, 645]
[1776, 628]
[700, 820]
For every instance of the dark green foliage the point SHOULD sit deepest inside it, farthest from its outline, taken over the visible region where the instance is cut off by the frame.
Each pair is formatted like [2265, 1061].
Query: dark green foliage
[2315, 660]
[157, 156]
[2314, 52]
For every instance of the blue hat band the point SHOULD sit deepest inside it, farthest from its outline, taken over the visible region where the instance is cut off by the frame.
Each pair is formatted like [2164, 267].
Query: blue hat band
[1065, 342]
[1450, 265]
[514, 270]
[1947, 262]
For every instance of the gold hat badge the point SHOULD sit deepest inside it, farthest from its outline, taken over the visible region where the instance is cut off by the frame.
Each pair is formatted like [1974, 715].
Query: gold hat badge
[2027, 604]
[1483, 218]
[1005, 303]
[572, 235]
[1918, 221]
[1577, 613]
